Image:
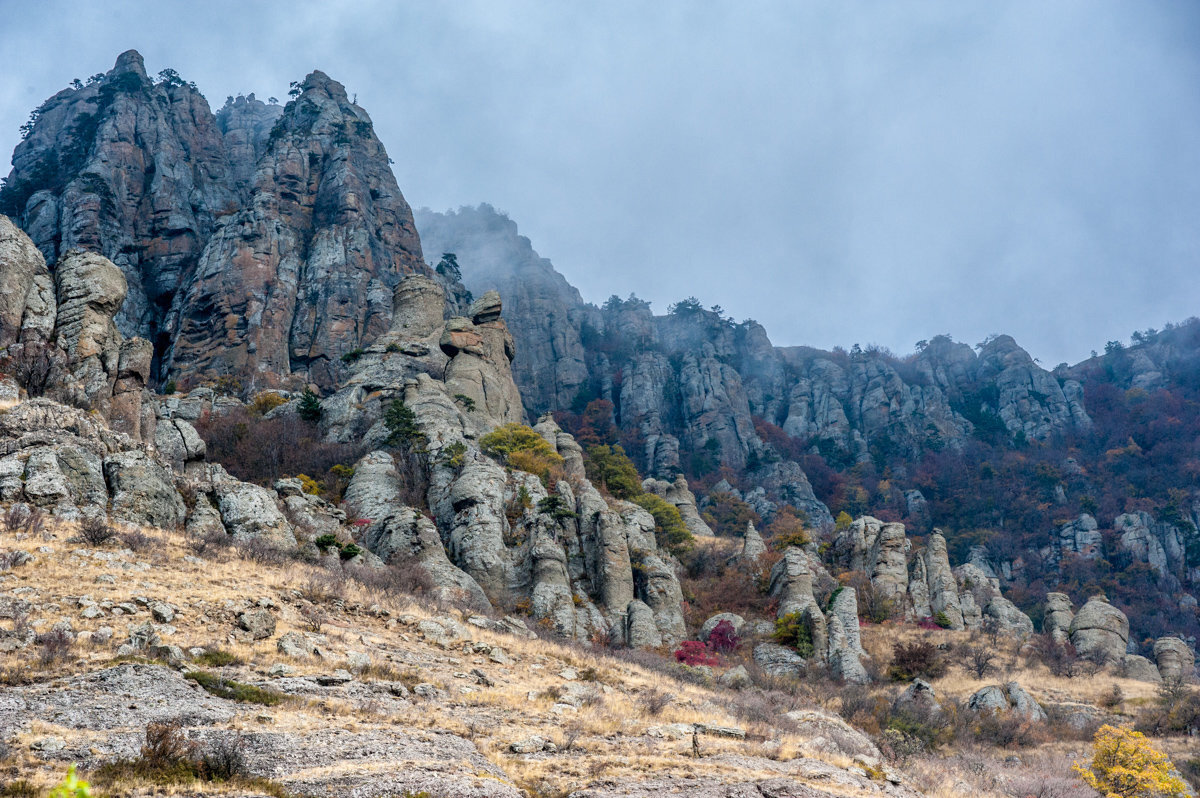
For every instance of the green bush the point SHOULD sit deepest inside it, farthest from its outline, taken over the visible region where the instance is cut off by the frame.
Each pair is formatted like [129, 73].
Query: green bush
[670, 532]
[454, 455]
[520, 447]
[328, 541]
[942, 620]
[555, 507]
[402, 427]
[612, 470]
[234, 691]
[795, 631]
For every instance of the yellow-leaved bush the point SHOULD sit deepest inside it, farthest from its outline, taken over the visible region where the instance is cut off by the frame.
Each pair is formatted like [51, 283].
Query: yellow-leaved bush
[519, 447]
[1125, 765]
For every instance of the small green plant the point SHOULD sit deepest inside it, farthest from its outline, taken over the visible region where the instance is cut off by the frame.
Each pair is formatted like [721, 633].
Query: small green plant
[795, 631]
[350, 551]
[392, 347]
[942, 620]
[465, 401]
[170, 388]
[217, 658]
[555, 507]
[670, 532]
[353, 355]
[328, 541]
[520, 447]
[454, 455]
[309, 408]
[234, 691]
[401, 423]
[70, 787]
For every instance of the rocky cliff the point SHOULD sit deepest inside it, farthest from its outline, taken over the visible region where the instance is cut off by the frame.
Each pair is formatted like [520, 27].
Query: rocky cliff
[261, 242]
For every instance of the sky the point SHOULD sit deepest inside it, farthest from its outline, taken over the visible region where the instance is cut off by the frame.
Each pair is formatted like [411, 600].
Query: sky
[843, 172]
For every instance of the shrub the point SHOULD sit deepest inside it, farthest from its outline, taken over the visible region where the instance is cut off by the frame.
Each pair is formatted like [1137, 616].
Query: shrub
[401, 424]
[55, 646]
[919, 659]
[795, 630]
[979, 660]
[556, 507]
[454, 456]
[610, 469]
[1178, 711]
[670, 533]
[267, 401]
[519, 447]
[170, 388]
[309, 409]
[34, 365]
[1059, 658]
[465, 401]
[138, 540]
[327, 541]
[1125, 765]
[353, 355]
[723, 638]
[96, 531]
[695, 653]
[653, 701]
[69, 787]
[234, 691]
[942, 620]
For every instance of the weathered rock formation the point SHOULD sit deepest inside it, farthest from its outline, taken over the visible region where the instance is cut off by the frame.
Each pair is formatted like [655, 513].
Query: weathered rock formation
[1010, 697]
[1100, 630]
[1175, 658]
[261, 242]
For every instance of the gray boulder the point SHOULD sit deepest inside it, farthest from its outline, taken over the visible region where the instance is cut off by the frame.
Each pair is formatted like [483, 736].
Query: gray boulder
[260, 623]
[918, 700]
[1100, 630]
[143, 491]
[778, 660]
[1139, 668]
[1058, 617]
[1175, 659]
[1010, 697]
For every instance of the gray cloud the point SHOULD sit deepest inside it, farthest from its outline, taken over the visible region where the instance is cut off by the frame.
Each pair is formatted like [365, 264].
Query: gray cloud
[873, 173]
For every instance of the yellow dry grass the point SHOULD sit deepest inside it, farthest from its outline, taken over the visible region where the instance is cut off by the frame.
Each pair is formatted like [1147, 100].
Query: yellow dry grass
[608, 732]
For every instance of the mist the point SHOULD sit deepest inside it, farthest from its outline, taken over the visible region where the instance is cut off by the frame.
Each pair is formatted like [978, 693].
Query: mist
[843, 173]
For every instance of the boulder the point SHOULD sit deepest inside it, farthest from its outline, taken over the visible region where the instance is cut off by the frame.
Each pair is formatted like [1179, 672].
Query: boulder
[943, 587]
[1139, 668]
[1011, 621]
[1058, 617]
[753, 546]
[260, 623]
[707, 629]
[143, 491]
[1175, 659]
[778, 660]
[918, 700]
[250, 512]
[1010, 697]
[1100, 630]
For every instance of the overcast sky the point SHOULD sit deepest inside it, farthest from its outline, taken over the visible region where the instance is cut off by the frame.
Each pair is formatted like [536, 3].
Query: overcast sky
[870, 172]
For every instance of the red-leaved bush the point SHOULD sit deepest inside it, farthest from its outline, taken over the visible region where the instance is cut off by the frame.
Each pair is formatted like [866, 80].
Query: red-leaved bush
[693, 652]
[723, 638]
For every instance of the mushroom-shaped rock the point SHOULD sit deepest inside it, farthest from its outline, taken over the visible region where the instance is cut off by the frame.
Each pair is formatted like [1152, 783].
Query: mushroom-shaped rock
[486, 308]
[417, 307]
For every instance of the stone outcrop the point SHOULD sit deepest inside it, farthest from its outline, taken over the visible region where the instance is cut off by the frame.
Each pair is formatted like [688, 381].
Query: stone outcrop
[261, 242]
[1100, 630]
[1175, 658]
[481, 350]
[1010, 697]
[1058, 617]
[678, 494]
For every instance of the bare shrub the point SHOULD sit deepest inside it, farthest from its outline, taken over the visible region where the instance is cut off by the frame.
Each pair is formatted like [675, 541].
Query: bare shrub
[138, 540]
[919, 659]
[653, 702]
[262, 551]
[16, 518]
[1112, 698]
[1060, 658]
[314, 618]
[54, 646]
[96, 531]
[166, 746]
[210, 544]
[979, 661]
[402, 576]
[224, 758]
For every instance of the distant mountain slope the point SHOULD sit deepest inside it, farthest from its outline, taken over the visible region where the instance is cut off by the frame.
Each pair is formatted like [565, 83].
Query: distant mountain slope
[983, 442]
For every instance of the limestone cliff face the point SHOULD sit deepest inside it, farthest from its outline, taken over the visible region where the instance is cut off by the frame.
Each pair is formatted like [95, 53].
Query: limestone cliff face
[691, 383]
[261, 242]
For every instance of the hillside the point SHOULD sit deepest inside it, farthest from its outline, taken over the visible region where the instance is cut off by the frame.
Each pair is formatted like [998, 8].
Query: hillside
[1078, 479]
[384, 526]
